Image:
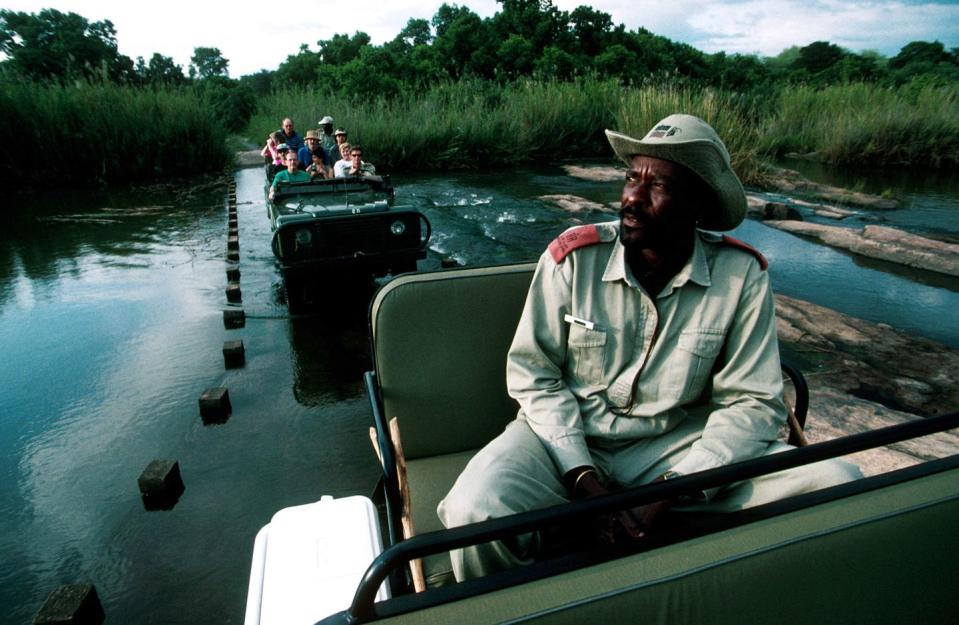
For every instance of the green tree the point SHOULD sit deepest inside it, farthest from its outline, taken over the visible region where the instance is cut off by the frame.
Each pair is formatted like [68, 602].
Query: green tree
[818, 57]
[341, 49]
[300, 69]
[232, 102]
[416, 33]
[617, 61]
[371, 74]
[920, 52]
[260, 83]
[55, 45]
[536, 21]
[463, 43]
[556, 64]
[161, 70]
[208, 62]
[591, 29]
[515, 56]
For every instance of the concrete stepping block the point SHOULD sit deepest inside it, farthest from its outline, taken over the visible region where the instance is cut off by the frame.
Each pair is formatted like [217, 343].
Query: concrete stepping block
[233, 293]
[74, 604]
[233, 319]
[215, 405]
[161, 485]
[234, 354]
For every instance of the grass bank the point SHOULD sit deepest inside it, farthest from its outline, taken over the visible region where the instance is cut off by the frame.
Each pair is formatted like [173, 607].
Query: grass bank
[477, 124]
[915, 125]
[86, 134]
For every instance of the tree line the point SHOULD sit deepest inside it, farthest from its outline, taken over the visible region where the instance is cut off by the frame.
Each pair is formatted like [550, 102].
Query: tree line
[55, 47]
[524, 39]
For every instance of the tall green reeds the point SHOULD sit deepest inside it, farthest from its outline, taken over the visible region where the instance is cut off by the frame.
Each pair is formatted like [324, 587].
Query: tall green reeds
[88, 133]
[467, 124]
[476, 124]
[913, 125]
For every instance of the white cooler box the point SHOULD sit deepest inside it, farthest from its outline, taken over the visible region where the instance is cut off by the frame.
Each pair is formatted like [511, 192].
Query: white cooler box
[308, 561]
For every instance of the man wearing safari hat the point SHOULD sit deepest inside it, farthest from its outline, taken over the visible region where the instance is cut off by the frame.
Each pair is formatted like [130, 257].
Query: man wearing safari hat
[646, 350]
[311, 144]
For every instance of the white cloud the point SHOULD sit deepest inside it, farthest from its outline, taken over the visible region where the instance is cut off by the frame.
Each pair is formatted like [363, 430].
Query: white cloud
[253, 36]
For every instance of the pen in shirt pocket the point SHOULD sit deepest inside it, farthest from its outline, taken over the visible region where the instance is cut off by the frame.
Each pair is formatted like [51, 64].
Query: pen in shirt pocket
[585, 323]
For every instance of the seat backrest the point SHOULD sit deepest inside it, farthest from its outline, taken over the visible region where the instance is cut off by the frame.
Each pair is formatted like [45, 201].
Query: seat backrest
[439, 351]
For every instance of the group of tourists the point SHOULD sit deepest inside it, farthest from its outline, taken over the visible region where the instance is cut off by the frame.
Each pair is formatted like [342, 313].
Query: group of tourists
[322, 154]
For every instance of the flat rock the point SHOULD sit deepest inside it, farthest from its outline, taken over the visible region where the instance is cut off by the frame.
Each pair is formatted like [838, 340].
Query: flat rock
[865, 375]
[884, 243]
[759, 208]
[595, 173]
[790, 181]
[574, 203]
[825, 210]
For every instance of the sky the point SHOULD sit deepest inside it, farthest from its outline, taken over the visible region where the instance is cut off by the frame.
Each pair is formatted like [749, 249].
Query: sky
[255, 36]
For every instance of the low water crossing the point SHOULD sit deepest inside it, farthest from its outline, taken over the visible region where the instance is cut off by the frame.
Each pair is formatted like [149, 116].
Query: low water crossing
[111, 327]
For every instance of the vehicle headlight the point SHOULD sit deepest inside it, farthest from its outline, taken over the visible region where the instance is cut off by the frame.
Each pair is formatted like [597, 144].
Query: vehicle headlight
[304, 237]
[398, 227]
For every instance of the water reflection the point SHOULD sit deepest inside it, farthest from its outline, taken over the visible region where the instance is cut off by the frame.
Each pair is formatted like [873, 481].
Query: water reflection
[330, 353]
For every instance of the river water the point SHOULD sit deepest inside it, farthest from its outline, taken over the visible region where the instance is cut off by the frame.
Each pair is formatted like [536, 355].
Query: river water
[111, 328]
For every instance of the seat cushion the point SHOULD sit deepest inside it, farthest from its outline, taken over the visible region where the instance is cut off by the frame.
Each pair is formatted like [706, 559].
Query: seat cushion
[430, 479]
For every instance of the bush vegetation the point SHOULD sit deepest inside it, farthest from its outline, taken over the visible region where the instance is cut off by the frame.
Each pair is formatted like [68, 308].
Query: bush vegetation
[460, 91]
[93, 133]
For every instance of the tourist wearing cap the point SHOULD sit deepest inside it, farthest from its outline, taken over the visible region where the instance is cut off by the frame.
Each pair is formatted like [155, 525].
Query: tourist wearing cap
[326, 137]
[272, 169]
[646, 350]
[290, 137]
[339, 136]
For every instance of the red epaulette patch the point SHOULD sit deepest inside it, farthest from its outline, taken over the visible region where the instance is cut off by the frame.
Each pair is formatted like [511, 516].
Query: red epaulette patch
[570, 240]
[763, 263]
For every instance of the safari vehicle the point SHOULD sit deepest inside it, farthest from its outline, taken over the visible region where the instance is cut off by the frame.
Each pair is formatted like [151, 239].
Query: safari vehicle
[345, 228]
[878, 550]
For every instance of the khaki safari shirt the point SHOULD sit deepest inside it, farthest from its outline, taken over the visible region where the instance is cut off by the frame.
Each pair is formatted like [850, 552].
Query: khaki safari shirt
[705, 348]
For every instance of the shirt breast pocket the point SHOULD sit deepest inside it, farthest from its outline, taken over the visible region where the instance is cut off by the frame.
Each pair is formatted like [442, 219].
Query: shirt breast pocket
[586, 352]
[692, 361]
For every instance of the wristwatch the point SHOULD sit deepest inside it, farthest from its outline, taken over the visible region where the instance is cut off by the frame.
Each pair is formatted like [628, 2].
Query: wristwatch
[697, 497]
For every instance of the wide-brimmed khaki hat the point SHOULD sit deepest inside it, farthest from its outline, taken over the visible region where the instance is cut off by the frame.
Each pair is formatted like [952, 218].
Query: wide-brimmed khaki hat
[692, 143]
[312, 134]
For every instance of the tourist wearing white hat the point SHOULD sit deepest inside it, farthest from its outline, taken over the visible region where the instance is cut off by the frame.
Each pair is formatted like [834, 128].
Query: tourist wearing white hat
[327, 140]
[646, 350]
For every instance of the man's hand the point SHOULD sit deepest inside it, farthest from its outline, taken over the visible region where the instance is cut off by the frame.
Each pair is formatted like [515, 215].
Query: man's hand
[631, 524]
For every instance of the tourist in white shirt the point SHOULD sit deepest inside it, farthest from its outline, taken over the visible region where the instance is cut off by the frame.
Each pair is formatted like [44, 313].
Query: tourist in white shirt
[354, 166]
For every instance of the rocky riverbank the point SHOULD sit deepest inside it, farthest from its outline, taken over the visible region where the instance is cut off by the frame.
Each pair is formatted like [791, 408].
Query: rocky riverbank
[864, 376]
[794, 183]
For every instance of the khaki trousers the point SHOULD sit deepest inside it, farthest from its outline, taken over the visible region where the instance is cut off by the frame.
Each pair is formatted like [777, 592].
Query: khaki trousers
[515, 473]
